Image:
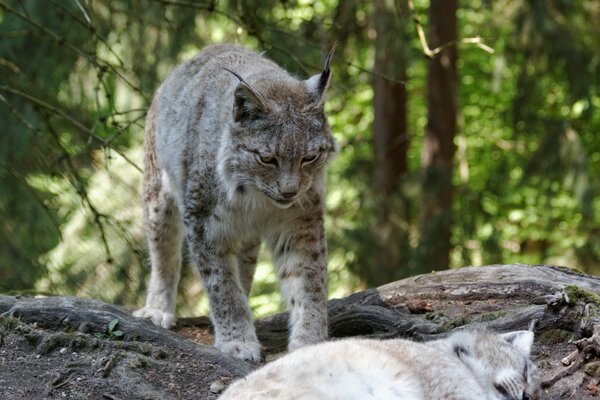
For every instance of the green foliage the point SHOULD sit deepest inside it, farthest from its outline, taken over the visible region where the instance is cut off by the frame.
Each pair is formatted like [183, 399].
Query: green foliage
[76, 79]
[111, 332]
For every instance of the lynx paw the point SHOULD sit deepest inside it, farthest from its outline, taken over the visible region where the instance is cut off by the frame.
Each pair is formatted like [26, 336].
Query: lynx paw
[247, 351]
[299, 342]
[158, 317]
[295, 344]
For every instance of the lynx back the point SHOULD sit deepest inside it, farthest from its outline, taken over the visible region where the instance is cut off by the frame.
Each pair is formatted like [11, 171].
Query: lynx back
[475, 365]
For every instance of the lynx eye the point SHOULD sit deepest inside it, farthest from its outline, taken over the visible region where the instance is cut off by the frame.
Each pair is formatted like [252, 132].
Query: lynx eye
[310, 159]
[501, 389]
[266, 160]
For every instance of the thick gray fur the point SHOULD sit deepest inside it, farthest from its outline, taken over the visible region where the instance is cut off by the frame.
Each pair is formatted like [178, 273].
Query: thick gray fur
[235, 153]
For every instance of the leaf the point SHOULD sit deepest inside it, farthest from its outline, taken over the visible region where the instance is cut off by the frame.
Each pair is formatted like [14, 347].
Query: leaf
[112, 324]
[118, 333]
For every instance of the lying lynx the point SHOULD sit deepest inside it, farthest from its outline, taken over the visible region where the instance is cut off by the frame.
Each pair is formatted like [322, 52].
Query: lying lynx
[477, 365]
[236, 150]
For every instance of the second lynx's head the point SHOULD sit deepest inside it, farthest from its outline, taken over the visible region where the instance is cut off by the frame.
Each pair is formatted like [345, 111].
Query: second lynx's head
[279, 140]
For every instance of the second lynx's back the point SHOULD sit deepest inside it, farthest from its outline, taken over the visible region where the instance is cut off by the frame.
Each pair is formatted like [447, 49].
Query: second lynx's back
[467, 365]
[236, 150]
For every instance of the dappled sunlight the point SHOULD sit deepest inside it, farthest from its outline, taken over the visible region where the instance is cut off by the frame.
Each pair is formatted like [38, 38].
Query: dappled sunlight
[101, 253]
[524, 174]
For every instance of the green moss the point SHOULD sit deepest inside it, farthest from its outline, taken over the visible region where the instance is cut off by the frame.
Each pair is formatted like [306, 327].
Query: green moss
[569, 270]
[576, 294]
[10, 323]
[455, 323]
[491, 316]
[137, 363]
[553, 336]
[593, 369]
[52, 341]
[82, 341]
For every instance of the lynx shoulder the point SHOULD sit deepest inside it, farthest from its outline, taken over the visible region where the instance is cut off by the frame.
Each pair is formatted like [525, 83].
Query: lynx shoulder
[467, 365]
[235, 154]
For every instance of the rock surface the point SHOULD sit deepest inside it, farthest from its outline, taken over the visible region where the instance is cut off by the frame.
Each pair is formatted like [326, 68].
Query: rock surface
[62, 347]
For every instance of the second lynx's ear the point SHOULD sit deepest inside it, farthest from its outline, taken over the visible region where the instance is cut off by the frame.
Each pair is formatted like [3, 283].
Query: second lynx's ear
[522, 340]
[318, 84]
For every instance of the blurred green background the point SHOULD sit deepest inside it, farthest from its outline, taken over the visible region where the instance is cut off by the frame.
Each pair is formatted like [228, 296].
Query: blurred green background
[464, 157]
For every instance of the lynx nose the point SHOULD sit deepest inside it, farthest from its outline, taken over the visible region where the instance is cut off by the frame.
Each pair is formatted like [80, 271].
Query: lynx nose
[289, 186]
[289, 195]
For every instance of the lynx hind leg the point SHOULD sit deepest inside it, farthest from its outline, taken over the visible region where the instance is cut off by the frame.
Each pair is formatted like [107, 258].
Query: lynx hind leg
[164, 232]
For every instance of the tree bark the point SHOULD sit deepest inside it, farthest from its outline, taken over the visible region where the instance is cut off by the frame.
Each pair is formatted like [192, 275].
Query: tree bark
[439, 148]
[390, 127]
[49, 346]
[390, 144]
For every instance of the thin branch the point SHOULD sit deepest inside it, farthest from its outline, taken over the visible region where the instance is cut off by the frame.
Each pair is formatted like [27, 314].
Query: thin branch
[61, 41]
[79, 186]
[90, 28]
[85, 14]
[211, 7]
[19, 177]
[200, 6]
[430, 53]
[10, 65]
[73, 121]
[23, 182]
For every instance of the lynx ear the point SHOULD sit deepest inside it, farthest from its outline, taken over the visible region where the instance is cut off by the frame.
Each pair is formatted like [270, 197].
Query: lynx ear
[248, 102]
[318, 84]
[522, 340]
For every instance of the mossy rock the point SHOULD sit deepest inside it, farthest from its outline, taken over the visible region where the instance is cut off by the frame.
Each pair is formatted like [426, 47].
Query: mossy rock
[553, 336]
[576, 294]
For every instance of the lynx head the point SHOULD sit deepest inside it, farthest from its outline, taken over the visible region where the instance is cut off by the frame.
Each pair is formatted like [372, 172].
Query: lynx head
[279, 135]
[499, 362]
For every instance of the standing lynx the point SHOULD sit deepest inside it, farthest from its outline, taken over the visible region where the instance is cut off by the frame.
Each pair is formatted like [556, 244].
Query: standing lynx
[468, 365]
[235, 152]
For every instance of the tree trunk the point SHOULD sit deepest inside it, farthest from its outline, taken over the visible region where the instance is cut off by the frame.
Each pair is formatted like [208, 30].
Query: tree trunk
[439, 148]
[390, 128]
[390, 144]
[60, 347]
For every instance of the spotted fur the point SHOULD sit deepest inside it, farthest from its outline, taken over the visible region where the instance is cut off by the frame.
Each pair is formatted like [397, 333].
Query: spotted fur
[236, 150]
[469, 365]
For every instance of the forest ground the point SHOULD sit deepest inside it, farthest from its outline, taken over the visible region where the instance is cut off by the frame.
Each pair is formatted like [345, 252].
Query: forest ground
[61, 347]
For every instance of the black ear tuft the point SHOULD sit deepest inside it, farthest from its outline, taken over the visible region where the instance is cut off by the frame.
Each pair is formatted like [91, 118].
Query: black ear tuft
[248, 102]
[326, 74]
[318, 84]
[460, 351]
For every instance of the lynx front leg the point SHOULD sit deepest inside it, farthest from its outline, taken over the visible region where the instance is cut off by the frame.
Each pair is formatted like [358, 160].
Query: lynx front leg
[230, 314]
[247, 264]
[164, 232]
[301, 262]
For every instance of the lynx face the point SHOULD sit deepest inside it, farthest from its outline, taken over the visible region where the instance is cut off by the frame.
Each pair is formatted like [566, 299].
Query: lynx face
[501, 364]
[282, 141]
